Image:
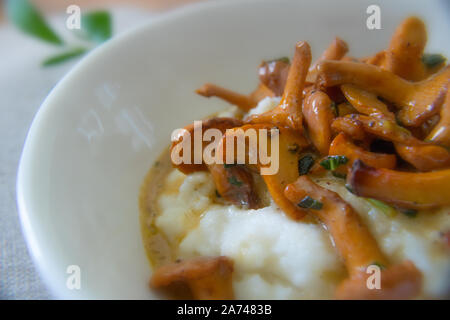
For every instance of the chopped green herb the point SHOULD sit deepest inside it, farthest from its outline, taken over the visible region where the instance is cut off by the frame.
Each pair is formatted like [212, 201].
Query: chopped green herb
[339, 175]
[218, 194]
[227, 166]
[433, 59]
[379, 265]
[293, 148]
[409, 212]
[282, 59]
[334, 109]
[156, 164]
[309, 203]
[332, 162]
[234, 181]
[304, 164]
[385, 208]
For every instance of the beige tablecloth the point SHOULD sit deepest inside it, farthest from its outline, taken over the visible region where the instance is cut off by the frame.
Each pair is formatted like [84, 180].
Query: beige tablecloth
[24, 84]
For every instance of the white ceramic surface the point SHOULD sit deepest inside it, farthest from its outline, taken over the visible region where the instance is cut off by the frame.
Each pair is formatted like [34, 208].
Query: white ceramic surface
[100, 129]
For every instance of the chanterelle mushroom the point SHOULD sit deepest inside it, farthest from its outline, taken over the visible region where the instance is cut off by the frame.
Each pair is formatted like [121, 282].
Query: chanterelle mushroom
[417, 101]
[288, 113]
[207, 278]
[355, 244]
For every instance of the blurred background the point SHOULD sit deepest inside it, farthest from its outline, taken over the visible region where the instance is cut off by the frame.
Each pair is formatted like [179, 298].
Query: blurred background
[37, 50]
[58, 6]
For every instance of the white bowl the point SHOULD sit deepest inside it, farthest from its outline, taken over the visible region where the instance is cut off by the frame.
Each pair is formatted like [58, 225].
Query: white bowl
[98, 132]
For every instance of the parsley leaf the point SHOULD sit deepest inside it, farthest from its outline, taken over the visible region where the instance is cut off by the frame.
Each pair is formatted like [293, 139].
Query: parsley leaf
[433, 59]
[309, 203]
[234, 181]
[332, 162]
[305, 164]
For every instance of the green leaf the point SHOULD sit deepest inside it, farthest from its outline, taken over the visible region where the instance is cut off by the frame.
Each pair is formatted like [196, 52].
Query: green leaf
[433, 59]
[332, 162]
[309, 203]
[234, 181]
[385, 208]
[28, 19]
[97, 26]
[62, 57]
[304, 164]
